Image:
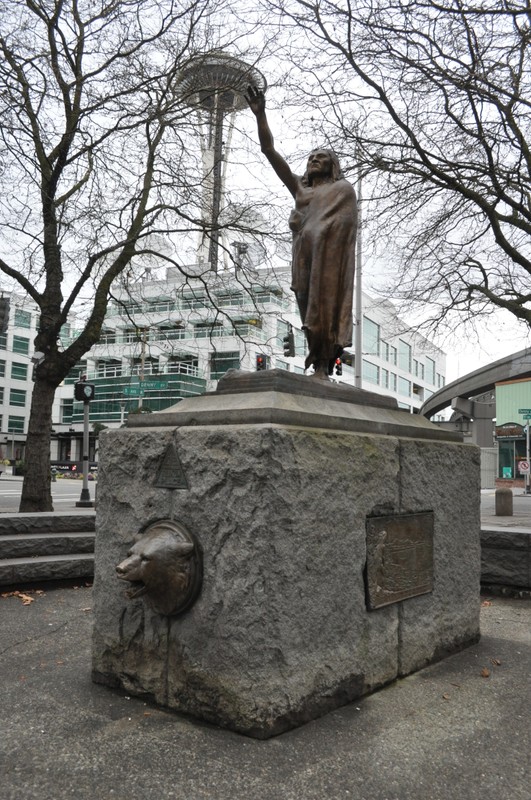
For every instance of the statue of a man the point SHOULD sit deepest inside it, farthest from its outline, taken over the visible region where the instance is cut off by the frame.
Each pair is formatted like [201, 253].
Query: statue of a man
[324, 225]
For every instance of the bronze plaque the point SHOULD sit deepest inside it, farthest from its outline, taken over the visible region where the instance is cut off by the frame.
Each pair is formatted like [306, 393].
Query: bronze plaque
[399, 558]
[171, 474]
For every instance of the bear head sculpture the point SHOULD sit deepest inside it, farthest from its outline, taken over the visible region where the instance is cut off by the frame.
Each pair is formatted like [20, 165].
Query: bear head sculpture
[164, 566]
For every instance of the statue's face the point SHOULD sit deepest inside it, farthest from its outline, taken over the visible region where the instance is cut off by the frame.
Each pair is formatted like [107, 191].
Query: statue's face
[319, 164]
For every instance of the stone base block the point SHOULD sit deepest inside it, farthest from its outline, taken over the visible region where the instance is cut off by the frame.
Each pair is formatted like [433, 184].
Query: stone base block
[282, 630]
[506, 558]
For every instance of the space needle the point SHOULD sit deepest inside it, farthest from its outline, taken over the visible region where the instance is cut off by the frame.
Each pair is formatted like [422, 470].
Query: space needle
[214, 84]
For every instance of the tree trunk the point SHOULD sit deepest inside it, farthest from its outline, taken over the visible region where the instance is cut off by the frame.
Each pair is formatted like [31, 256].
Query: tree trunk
[36, 489]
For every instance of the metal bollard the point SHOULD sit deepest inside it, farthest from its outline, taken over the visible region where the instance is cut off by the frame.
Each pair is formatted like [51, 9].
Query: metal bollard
[503, 499]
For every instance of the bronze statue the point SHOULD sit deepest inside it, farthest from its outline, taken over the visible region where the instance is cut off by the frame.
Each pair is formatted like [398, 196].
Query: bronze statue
[324, 225]
[165, 566]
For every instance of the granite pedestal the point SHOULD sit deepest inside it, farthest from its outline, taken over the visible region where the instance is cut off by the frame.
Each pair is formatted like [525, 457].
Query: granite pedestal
[294, 490]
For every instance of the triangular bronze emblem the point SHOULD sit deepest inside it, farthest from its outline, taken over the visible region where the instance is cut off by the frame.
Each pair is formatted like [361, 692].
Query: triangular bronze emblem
[171, 474]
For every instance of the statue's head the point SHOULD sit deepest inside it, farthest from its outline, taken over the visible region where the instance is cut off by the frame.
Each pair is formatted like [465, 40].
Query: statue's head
[322, 163]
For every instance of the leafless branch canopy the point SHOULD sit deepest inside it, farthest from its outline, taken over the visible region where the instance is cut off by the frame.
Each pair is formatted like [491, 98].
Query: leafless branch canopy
[432, 100]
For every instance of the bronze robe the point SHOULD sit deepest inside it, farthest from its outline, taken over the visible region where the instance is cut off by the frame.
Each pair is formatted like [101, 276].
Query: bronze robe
[324, 226]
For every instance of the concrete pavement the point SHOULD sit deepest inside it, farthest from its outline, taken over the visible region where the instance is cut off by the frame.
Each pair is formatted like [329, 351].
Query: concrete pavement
[457, 729]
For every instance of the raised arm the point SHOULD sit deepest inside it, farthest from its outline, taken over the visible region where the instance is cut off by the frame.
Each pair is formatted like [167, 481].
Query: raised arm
[256, 99]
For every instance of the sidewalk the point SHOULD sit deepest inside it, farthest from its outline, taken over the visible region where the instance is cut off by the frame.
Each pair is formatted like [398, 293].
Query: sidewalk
[458, 729]
[520, 519]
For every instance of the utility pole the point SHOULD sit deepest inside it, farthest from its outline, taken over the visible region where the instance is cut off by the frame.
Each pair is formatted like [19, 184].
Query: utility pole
[143, 342]
[358, 302]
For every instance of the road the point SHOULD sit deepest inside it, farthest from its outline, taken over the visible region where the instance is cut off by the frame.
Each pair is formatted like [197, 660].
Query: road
[65, 493]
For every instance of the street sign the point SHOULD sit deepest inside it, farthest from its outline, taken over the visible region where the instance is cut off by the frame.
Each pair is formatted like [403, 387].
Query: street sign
[524, 411]
[527, 416]
[523, 467]
[133, 391]
[164, 385]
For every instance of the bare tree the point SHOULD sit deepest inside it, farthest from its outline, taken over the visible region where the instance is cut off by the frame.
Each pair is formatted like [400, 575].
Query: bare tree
[433, 100]
[95, 160]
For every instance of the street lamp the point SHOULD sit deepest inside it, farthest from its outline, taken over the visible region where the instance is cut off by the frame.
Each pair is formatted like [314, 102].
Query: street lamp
[85, 392]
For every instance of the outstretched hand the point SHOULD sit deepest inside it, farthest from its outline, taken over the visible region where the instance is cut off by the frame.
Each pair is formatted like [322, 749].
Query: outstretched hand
[256, 99]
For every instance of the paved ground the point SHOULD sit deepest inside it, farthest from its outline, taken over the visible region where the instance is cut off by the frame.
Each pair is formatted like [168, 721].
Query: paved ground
[521, 516]
[458, 729]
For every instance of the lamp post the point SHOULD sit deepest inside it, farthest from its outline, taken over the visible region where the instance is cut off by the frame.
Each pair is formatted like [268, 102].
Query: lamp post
[85, 392]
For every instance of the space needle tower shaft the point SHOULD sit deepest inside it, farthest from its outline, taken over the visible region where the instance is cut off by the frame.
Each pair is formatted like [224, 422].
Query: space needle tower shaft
[215, 84]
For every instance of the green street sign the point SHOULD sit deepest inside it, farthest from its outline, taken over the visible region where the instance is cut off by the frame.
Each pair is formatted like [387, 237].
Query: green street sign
[133, 391]
[161, 385]
[524, 410]
[527, 416]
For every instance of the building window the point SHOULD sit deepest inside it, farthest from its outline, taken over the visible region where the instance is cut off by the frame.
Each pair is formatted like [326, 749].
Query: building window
[2, 368]
[430, 370]
[282, 330]
[371, 372]
[418, 391]
[22, 318]
[195, 301]
[404, 387]
[404, 355]
[392, 381]
[282, 365]
[161, 304]
[17, 397]
[21, 345]
[109, 369]
[1, 394]
[3, 341]
[221, 362]
[67, 410]
[183, 365]
[392, 355]
[231, 299]
[371, 337]
[15, 425]
[19, 372]
[107, 337]
[163, 332]
[208, 330]
[385, 378]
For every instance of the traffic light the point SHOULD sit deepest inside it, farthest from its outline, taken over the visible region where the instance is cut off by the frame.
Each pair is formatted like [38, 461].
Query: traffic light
[261, 362]
[84, 391]
[339, 366]
[289, 344]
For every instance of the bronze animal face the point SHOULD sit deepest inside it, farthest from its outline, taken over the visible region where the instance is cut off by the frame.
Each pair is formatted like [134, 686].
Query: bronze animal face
[165, 567]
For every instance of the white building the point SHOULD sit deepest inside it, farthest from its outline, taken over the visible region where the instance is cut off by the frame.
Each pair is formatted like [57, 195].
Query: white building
[168, 339]
[16, 369]
[396, 360]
